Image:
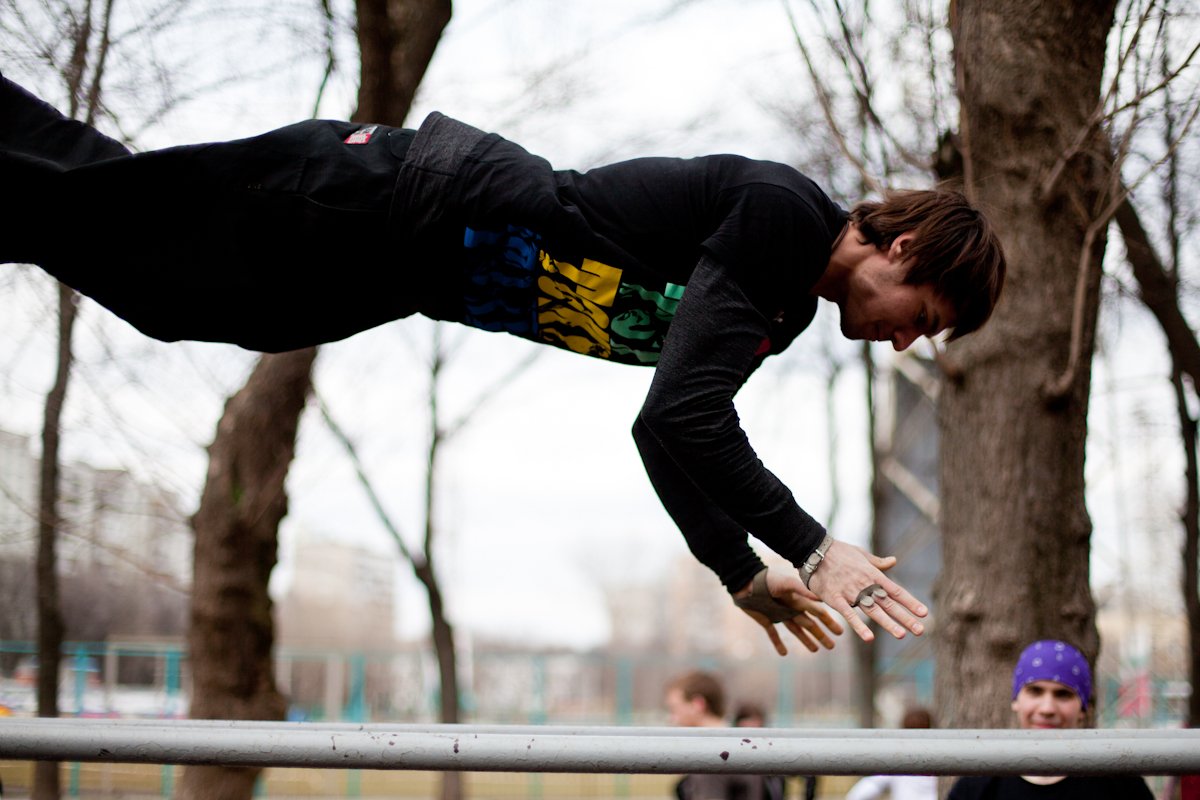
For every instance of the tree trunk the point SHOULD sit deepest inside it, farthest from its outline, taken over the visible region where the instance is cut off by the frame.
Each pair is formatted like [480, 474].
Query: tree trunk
[442, 631]
[232, 633]
[1016, 533]
[443, 645]
[50, 623]
[396, 41]
[231, 637]
[1159, 289]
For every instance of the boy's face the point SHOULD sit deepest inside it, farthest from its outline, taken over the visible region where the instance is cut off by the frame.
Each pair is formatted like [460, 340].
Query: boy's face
[684, 713]
[881, 307]
[1048, 704]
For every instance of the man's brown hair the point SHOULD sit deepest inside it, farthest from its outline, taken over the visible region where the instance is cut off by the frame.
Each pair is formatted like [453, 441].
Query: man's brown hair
[704, 685]
[749, 710]
[954, 247]
[917, 717]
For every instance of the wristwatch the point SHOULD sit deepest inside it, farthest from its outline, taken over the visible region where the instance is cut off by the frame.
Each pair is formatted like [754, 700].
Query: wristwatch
[814, 560]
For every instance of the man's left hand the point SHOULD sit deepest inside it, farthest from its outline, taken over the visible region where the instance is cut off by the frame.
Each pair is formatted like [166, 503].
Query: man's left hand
[811, 614]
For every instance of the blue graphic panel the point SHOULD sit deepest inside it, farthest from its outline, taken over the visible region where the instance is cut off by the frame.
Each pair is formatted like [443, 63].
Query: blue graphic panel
[499, 280]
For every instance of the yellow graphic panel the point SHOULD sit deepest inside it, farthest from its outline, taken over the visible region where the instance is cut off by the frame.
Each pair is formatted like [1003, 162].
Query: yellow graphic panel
[572, 302]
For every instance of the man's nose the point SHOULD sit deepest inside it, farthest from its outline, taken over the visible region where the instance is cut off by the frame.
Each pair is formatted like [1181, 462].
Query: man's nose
[902, 338]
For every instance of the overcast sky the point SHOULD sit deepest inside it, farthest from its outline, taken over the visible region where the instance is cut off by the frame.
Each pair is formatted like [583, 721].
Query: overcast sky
[543, 495]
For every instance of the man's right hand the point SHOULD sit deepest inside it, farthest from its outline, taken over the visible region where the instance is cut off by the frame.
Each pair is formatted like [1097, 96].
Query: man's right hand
[846, 572]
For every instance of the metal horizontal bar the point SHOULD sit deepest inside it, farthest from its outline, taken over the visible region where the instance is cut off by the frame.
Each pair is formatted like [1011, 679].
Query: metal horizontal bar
[602, 750]
[1084, 734]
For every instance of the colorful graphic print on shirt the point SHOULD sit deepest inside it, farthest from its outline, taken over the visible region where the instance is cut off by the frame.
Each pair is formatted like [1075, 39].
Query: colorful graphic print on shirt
[512, 284]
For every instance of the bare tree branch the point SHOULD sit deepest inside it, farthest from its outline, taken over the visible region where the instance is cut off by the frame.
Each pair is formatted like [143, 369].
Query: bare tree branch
[1146, 94]
[385, 519]
[1089, 267]
[93, 96]
[964, 123]
[328, 29]
[1157, 290]
[1100, 115]
[827, 106]
[928, 27]
[863, 84]
[436, 436]
[514, 372]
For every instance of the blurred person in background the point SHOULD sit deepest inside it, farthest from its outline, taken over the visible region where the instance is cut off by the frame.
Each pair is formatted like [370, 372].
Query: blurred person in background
[899, 787]
[754, 715]
[697, 700]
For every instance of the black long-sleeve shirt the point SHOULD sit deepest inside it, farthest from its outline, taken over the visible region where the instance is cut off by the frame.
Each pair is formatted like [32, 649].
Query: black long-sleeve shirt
[700, 267]
[699, 459]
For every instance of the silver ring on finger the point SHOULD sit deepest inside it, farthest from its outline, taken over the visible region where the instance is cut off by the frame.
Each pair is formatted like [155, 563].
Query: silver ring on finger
[868, 596]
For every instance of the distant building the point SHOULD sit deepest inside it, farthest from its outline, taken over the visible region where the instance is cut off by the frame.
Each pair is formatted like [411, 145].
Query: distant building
[340, 596]
[335, 629]
[18, 496]
[111, 520]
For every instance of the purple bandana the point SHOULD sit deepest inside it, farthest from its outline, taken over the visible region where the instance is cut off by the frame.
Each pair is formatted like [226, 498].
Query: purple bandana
[1052, 660]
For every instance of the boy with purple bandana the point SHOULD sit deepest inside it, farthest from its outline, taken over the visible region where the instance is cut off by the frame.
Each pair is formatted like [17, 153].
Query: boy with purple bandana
[1052, 686]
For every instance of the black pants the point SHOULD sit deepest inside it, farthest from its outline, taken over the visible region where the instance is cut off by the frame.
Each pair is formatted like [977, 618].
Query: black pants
[275, 242]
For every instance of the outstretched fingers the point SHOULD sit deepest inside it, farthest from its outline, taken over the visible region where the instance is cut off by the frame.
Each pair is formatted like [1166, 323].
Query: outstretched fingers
[905, 609]
[860, 627]
[772, 632]
[792, 604]
[816, 623]
[851, 580]
[893, 609]
[810, 634]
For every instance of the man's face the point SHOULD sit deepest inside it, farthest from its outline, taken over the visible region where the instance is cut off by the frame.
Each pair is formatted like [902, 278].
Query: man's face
[684, 713]
[880, 307]
[1048, 704]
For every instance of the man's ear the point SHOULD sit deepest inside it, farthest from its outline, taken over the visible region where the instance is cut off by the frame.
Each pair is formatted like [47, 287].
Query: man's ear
[898, 251]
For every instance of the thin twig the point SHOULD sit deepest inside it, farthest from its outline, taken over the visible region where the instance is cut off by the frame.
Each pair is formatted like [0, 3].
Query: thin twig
[865, 92]
[372, 496]
[827, 106]
[964, 120]
[94, 92]
[1057, 388]
[330, 56]
[1158, 87]
[1099, 115]
[491, 391]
